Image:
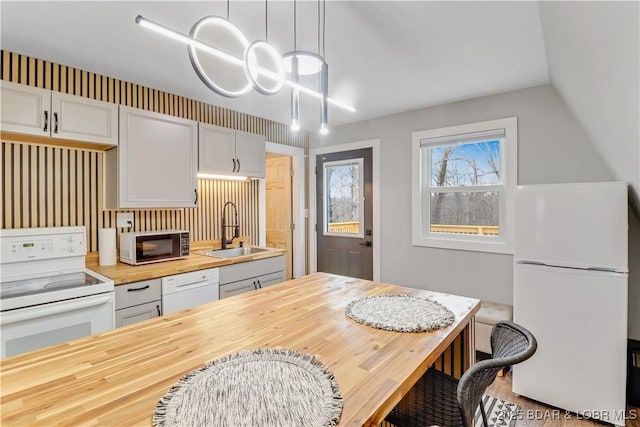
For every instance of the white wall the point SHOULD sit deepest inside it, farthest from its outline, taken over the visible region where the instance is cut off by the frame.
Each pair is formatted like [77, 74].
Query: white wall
[593, 52]
[552, 148]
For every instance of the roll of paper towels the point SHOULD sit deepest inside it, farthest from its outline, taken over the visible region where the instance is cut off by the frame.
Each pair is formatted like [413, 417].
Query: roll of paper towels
[107, 246]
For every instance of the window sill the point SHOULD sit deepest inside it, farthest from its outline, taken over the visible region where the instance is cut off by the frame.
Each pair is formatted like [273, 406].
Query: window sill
[498, 247]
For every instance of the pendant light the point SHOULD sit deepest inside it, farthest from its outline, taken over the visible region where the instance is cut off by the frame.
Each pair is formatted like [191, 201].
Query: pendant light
[263, 69]
[324, 73]
[304, 63]
[262, 48]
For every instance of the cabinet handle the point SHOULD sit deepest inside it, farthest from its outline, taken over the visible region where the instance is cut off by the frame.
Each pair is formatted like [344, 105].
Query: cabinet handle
[158, 308]
[259, 284]
[46, 121]
[55, 121]
[238, 165]
[255, 286]
[138, 289]
[234, 165]
[195, 202]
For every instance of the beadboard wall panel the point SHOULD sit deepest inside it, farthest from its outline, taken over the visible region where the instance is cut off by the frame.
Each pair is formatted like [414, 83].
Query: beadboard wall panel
[50, 186]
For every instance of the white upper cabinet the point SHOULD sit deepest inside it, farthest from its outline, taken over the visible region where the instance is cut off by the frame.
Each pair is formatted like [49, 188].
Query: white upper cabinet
[217, 149]
[25, 109]
[230, 152]
[84, 119]
[155, 164]
[41, 112]
[250, 153]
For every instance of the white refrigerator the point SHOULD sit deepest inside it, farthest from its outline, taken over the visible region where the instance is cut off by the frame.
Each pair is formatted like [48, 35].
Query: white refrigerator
[570, 291]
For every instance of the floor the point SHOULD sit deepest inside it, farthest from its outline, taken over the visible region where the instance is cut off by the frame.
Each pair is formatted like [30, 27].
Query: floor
[535, 414]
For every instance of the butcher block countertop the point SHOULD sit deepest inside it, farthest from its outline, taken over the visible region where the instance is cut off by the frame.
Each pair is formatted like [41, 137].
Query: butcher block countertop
[117, 377]
[122, 273]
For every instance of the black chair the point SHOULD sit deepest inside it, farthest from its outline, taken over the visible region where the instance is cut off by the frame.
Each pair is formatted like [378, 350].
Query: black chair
[439, 399]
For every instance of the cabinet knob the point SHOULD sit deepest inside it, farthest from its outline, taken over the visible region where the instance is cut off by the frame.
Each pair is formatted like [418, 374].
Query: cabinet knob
[46, 121]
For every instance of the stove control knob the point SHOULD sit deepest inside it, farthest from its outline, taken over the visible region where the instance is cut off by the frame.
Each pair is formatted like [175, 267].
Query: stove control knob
[71, 249]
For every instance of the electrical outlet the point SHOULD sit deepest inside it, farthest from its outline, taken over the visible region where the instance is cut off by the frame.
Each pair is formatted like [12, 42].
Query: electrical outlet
[124, 219]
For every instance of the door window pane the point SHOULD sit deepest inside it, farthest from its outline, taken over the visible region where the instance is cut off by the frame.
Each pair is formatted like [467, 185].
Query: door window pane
[343, 186]
[473, 213]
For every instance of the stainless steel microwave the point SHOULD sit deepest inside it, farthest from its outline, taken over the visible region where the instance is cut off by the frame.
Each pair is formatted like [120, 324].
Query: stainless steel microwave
[144, 247]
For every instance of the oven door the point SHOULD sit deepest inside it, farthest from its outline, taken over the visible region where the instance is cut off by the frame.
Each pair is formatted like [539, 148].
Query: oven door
[39, 326]
[157, 247]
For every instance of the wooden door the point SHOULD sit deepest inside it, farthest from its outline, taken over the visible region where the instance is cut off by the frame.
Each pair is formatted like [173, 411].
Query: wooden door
[344, 229]
[279, 207]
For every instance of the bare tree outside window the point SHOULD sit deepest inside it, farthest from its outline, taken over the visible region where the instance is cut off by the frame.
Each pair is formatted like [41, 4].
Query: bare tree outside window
[343, 197]
[459, 203]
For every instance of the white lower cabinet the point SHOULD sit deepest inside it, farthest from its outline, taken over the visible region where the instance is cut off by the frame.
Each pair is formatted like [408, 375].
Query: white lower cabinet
[251, 275]
[138, 301]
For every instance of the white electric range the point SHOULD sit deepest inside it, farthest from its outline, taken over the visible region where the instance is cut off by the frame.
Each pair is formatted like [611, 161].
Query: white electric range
[47, 296]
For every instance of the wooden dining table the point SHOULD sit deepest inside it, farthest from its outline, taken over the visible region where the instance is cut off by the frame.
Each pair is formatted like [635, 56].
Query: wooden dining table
[116, 378]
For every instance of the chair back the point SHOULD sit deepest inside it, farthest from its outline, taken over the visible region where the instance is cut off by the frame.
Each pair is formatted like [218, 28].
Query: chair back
[510, 344]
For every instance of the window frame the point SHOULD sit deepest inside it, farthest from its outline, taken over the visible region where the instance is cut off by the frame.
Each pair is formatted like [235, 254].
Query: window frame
[421, 212]
[325, 226]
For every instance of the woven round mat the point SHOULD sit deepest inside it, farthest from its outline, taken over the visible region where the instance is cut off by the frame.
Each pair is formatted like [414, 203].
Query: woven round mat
[264, 387]
[400, 313]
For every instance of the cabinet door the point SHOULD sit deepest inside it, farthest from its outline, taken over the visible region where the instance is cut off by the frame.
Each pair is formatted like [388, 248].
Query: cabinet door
[235, 288]
[270, 279]
[25, 109]
[157, 158]
[217, 150]
[250, 152]
[138, 313]
[137, 293]
[244, 270]
[74, 117]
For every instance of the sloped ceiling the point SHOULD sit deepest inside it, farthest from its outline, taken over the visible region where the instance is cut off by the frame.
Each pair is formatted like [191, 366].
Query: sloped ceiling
[384, 57]
[593, 54]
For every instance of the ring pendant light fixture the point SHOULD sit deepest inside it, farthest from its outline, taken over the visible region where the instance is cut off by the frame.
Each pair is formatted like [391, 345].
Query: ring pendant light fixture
[263, 68]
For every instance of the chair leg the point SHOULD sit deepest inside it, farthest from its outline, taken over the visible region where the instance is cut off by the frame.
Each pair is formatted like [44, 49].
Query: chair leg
[484, 415]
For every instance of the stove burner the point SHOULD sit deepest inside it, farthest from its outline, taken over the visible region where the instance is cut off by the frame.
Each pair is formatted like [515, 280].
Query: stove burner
[39, 285]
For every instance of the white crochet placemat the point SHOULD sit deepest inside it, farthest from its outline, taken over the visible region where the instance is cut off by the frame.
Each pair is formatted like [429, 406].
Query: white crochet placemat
[263, 387]
[400, 313]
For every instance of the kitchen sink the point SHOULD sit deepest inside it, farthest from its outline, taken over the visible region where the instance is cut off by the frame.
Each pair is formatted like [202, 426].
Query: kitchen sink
[235, 252]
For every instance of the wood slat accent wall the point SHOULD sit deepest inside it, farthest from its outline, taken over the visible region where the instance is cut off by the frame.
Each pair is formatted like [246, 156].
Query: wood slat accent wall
[49, 186]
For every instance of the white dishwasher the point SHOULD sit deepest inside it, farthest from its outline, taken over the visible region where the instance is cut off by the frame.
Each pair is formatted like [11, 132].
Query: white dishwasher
[187, 290]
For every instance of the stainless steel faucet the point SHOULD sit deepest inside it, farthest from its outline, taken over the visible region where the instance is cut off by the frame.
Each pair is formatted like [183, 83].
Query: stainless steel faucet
[235, 226]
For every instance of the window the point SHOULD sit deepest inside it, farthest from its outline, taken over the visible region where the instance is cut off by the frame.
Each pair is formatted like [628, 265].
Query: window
[463, 183]
[343, 198]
